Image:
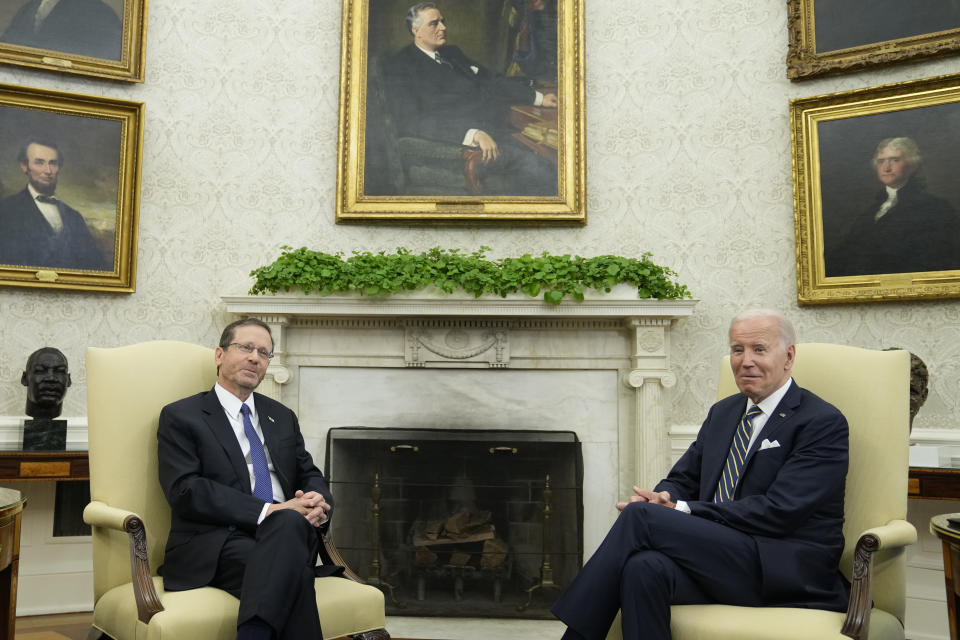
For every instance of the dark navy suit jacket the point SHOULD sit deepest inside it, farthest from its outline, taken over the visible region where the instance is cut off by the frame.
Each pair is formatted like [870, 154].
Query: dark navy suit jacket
[789, 498]
[205, 478]
[26, 237]
[441, 102]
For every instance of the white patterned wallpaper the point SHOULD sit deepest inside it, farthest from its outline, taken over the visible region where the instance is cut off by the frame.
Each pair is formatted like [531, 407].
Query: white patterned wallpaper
[688, 157]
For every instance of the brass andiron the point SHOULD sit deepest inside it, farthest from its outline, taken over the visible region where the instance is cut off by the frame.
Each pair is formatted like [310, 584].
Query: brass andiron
[373, 575]
[546, 568]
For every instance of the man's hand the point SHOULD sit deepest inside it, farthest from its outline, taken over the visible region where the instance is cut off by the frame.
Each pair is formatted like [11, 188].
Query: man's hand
[549, 100]
[311, 506]
[488, 147]
[645, 495]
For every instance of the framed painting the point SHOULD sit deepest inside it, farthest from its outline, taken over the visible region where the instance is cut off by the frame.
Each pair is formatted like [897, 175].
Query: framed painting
[876, 199]
[834, 36]
[69, 190]
[104, 38]
[468, 111]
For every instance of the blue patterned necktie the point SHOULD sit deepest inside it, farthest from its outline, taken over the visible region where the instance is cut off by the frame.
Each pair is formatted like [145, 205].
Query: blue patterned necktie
[738, 453]
[262, 487]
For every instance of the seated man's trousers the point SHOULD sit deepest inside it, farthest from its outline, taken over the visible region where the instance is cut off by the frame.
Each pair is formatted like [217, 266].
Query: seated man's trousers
[653, 557]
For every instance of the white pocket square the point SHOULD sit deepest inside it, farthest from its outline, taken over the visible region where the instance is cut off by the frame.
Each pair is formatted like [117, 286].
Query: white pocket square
[766, 444]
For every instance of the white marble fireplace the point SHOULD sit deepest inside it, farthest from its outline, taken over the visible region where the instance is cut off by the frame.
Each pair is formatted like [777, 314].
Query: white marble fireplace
[597, 367]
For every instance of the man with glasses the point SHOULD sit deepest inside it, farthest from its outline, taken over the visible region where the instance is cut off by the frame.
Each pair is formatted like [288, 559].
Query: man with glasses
[247, 502]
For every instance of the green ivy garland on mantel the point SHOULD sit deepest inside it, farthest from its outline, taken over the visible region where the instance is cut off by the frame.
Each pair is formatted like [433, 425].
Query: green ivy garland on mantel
[375, 274]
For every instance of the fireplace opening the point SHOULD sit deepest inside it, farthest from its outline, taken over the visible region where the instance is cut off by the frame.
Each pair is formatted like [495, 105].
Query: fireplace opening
[459, 522]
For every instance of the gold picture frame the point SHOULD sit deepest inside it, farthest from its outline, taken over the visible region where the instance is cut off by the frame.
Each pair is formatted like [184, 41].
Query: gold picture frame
[70, 183]
[419, 170]
[856, 239]
[857, 34]
[101, 38]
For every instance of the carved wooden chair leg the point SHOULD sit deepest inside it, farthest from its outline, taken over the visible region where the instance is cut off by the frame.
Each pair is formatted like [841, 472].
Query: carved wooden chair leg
[96, 634]
[376, 634]
[471, 158]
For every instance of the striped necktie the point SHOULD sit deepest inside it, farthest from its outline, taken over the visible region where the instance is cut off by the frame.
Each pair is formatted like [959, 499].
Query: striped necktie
[738, 453]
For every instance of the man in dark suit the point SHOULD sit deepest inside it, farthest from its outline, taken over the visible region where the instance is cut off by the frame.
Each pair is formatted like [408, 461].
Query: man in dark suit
[905, 229]
[751, 514]
[38, 229]
[247, 503]
[436, 92]
[82, 27]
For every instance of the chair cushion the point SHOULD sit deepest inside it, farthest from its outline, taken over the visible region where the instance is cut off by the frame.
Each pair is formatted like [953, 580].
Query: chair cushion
[717, 622]
[345, 607]
[725, 622]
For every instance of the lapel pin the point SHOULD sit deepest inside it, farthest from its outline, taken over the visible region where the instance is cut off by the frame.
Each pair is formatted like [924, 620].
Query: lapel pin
[270, 418]
[782, 415]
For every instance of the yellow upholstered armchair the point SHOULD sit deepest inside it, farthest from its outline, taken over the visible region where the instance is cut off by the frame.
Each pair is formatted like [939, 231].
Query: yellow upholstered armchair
[871, 388]
[126, 388]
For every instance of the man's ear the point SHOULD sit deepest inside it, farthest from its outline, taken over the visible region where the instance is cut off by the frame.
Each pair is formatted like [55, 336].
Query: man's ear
[69, 381]
[23, 379]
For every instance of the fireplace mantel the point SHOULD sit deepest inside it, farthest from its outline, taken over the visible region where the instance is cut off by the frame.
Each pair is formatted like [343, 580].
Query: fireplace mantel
[616, 342]
[621, 303]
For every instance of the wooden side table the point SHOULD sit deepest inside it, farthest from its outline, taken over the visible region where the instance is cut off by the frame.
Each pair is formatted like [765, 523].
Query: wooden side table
[950, 537]
[11, 509]
[934, 483]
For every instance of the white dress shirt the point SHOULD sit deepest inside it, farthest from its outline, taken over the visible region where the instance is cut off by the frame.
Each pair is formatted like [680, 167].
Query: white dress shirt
[231, 407]
[49, 210]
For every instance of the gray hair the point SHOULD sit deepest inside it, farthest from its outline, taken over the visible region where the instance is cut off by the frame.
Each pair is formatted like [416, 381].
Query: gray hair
[413, 14]
[787, 334]
[906, 146]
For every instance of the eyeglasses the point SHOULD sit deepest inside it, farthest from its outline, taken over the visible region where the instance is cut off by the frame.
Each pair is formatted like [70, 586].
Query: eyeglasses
[249, 348]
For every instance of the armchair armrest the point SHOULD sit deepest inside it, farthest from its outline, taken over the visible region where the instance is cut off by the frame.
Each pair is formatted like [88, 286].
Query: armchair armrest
[329, 554]
[893, 535]
[99, 514]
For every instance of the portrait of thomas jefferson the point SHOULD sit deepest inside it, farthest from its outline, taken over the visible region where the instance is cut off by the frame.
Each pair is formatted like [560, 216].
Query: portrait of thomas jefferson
[904, 228]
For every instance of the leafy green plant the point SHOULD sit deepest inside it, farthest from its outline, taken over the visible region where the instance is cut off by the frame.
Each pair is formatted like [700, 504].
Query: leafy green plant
[384, 273]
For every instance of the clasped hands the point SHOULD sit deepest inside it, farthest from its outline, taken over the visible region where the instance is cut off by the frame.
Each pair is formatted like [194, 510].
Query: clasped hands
[645, 495]
[311, 505]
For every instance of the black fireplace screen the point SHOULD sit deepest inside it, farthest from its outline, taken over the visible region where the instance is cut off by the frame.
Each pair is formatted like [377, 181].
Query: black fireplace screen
[459, 522]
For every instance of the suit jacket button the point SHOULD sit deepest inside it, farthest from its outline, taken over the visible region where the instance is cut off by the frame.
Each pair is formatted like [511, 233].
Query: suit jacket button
[232, 527]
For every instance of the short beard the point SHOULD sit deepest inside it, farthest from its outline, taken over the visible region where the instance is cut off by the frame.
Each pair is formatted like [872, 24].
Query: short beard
[47, 190]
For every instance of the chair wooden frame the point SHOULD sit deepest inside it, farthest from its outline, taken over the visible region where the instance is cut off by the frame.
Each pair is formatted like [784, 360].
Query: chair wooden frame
[137, 502]
[148, 602]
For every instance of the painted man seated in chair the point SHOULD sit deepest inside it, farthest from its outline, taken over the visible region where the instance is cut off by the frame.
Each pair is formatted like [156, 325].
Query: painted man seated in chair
[751, 515]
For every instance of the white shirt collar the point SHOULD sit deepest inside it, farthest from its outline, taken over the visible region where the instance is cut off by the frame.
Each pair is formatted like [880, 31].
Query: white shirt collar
[33, 192]
[768, 404]
[231, 403]
[430, 54]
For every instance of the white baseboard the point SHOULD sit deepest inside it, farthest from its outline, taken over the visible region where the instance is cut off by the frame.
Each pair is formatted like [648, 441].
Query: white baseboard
[54, 593]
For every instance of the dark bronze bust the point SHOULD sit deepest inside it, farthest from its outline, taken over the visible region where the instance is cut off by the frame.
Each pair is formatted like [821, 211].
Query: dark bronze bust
[919, 383]
[46, 378]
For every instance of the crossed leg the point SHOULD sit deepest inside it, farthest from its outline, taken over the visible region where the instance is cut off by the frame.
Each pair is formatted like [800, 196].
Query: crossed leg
[653, 557]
